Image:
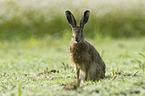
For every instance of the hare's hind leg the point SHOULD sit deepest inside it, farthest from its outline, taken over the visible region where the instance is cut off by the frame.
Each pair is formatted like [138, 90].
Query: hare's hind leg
[87, 73]
[102, 75]
[93, 73]
[77, 76]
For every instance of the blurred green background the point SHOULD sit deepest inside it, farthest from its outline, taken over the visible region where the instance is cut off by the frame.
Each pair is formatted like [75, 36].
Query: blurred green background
[38, 18]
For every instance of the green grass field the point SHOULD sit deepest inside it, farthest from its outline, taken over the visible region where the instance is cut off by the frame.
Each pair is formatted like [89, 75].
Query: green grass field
[34, 39]
[22, 60]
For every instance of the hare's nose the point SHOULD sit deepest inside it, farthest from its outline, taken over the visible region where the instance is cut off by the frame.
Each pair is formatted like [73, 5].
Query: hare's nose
[77, 39]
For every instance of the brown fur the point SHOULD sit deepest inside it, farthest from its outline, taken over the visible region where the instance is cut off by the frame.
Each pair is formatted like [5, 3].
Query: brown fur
[83, 55]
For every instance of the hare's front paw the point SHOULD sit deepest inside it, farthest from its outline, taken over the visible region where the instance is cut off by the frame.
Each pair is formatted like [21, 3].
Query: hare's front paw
[72, 85]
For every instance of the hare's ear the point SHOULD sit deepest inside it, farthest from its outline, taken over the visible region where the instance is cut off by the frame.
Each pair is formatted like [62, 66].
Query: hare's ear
[84, 18]
[70, 18]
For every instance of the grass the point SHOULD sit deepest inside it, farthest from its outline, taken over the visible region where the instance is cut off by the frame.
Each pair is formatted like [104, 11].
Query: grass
[34, 38]
[22, 60]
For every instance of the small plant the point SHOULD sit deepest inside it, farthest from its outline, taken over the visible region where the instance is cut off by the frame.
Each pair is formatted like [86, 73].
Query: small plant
[118, 65]
[141, 63]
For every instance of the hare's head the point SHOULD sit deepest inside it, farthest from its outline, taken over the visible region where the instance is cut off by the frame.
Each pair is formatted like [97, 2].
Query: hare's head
[77, 31]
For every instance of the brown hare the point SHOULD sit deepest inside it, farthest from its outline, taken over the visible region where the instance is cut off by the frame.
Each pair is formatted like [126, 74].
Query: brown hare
[83, 55]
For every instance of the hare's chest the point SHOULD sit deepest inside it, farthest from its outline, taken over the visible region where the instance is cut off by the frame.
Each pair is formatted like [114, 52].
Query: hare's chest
[79, 56]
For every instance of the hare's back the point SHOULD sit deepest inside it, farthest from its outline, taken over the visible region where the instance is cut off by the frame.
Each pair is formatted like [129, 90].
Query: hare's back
[95, 56]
